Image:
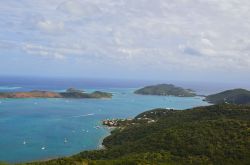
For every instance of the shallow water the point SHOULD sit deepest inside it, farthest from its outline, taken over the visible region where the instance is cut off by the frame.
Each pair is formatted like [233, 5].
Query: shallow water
[48, 122]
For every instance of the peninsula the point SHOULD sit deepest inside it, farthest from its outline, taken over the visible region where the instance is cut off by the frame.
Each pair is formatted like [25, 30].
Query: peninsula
[216, 134]
[69, 93]
[234, 96]
[165, 90]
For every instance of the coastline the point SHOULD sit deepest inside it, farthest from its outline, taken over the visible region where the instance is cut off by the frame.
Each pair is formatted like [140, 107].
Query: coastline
[99, 146]
[156, 101]
[70, 93]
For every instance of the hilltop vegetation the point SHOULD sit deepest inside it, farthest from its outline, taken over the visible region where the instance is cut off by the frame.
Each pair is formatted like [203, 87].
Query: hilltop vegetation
[165, 90]
[78, 94]
[235, 96]
[70, 93]
[217, 134]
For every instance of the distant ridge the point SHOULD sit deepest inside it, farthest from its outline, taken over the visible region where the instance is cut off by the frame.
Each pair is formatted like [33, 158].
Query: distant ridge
[165, 90]
[234, 96]
[70, 93]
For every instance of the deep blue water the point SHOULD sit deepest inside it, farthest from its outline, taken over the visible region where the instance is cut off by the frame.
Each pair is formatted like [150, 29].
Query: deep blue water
[48, 122]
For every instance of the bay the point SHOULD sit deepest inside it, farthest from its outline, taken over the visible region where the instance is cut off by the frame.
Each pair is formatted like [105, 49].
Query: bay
[39, 129]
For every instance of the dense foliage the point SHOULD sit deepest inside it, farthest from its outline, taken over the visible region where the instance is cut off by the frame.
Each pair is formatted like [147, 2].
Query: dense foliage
[218, 134]
[165, 90]
[79, 94]
[235, 96]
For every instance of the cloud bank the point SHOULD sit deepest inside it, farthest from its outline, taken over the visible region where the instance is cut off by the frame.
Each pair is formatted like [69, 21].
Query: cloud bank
[162, 35]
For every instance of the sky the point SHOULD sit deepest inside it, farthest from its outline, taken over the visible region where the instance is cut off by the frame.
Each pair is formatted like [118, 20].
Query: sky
[196, 40]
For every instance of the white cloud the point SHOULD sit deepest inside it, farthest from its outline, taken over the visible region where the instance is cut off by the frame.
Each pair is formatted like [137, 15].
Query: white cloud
[78, 8]
[194, 34]
[206, 42]
[50, 26]
[40, 50]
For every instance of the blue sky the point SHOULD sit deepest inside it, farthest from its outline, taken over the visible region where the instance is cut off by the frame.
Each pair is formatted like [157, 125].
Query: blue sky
[206, 40]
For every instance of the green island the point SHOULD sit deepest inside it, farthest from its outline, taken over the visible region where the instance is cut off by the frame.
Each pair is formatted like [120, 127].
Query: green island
[216, 134]
[70, 93]
[165, 90]
[234, 96]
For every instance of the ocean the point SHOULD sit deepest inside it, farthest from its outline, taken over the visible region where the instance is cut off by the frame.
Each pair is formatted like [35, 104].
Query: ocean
[39, 129]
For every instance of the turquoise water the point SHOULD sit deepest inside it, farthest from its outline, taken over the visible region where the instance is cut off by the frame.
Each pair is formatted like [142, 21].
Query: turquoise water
[48, 122]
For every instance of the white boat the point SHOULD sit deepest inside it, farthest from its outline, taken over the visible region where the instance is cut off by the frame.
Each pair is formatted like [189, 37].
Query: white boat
[97, 127]
[65, 140]
[43, 148]
[24, 142]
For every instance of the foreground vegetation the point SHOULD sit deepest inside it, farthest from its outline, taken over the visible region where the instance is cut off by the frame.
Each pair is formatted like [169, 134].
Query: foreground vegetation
[218, 134]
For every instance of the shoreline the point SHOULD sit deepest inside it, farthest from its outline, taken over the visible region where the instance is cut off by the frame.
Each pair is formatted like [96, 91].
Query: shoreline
[70, 93]
[99, 146]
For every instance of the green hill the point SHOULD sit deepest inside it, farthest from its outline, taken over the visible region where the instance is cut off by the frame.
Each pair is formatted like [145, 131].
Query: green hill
[217, 134]
[71, 93]
[235, 96]
[165, 90]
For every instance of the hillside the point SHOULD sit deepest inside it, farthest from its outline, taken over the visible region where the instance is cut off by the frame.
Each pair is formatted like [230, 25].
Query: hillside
[70, 93]
[235, 96]
[165, 90]
[217, 134]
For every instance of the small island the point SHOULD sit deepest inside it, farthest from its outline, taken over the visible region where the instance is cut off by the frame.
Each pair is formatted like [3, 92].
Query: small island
[165, 90]
[70, 93]
[234, 96]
